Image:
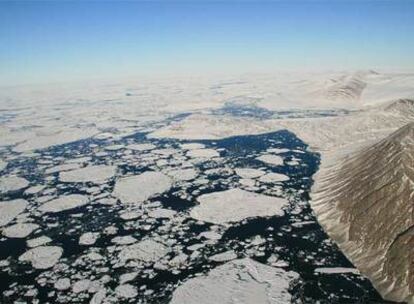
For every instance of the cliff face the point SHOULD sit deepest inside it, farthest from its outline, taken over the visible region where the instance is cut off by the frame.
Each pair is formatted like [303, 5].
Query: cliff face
[366, 204]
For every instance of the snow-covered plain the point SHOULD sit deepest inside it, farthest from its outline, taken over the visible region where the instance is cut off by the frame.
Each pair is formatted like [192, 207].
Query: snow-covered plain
[193, 181]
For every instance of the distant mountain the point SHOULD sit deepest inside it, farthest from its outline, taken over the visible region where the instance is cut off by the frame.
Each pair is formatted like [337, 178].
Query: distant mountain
[366, 204]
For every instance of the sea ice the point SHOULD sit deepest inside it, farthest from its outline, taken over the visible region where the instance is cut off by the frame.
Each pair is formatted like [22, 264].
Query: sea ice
[42, 257]
[141, 147]
[182, 174]
[88, 238]
[20, 230]
[334, 270]
[239, 281]
[203, 153]
[95, 174]
[146, 251]
[64, 202]
[273, 178]
[61, 168]
[192, 146]
[124, 240]
[39, 241]
[126, 291]
[114, 147]
[137, 189]
[12, 184]
[274, 160]
[235, 205]
[3, 165]
[34, 189]
[249, 172]
[224, 257]
[62, 284]
[162, 213]
[10, 209]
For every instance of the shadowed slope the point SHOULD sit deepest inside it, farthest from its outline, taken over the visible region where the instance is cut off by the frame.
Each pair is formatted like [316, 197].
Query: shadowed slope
[366, 205]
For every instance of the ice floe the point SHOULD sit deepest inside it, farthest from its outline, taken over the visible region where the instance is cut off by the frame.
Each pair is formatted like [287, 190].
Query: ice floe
[34, 189]
[202, 153]
[146, 251]
[270, 159]
[224, 257]
[249, 172]
[3, 165]
[95, 174]
[39, 241]
[138, 188]
[10, 209]
[12, 184]
[141, 147]
[42, 257]
[88, 238]
[62, 284]
[238, 281]
[273, 178]
[64, 202]
[335, 270]
[162, 213]
[192, 146]
[124, 240]
[20, 230]
[235, 205]
[126, 291]
[182, 174]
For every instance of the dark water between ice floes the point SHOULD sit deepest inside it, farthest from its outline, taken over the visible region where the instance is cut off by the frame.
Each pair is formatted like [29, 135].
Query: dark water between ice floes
[301, 248]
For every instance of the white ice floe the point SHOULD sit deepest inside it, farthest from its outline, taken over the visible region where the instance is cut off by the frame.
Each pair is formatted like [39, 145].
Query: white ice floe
[10, 209]
[270, 159]
[182, 174]
[249, 172]
[235, 205]
[3, 165]
[277, 150]
[203, 153]
[95, 174]
[335, 270]
[39, 241]
[162, 213]
[88, 238]
[114, 147]
[34, 189]
[239, 281]
[59, 136]
[81, 286]
[20, 230]
[224, 257]
[98, 297]
[124, 240]
[137, 189]
[12, 184]
[273, 178]
[127, 277]
[130, 215]
[42, 257]
[64, 202]
[62, 284]
[141, 147]
[192, 146]
[126, 291]
[146, 251]
[61, 168]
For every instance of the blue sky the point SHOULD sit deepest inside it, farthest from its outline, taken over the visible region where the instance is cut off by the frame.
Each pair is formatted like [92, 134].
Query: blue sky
[44, 41]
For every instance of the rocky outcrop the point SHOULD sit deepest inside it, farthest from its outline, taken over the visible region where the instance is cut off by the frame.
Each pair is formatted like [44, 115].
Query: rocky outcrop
[365, 202]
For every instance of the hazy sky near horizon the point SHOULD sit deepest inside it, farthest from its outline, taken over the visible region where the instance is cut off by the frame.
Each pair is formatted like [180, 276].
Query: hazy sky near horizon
[44, 41]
